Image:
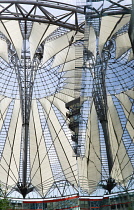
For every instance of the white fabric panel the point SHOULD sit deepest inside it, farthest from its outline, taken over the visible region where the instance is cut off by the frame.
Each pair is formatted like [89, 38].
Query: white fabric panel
[108, 24]
[82, 167]
[71, 65]
[71, 90]
[53, 47]
[130, 124]
[3, 30]
[127, 106]
[59, 104]
[41, 166]
[39, 32]
[114, 145]
[94, 164]
[63, 97]
[92, 41]
[71, 80]
[65, 55]
[115, 119]
[36, 35]
[4, 103]
[130, 93]
[90, 165]
[69, 87]
[1, 97]
[122, 44]
[11, 157]
[123, 21]
[131, 56]
[122, 167]
[67, 66]
[125, 164]
[88, 136]
[50, 30]
[125, 102]
[4, 50]
[34, 159]
[62, 146]
[13, 29]
[68, 92]
[69, 74]
[15, 161]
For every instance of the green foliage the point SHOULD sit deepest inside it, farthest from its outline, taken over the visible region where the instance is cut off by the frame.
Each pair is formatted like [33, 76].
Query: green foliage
[5, 204]
[130, 208]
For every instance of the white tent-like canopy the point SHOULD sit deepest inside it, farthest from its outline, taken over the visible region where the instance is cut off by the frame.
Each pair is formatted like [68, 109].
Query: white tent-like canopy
[44, 65]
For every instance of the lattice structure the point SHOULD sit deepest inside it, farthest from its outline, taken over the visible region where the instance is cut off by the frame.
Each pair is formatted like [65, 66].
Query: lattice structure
[53, 55]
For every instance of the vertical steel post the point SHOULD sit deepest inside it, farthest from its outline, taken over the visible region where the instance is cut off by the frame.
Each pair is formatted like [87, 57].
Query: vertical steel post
[26, 72]
[99, 87]
[100, 101]
[25, 125]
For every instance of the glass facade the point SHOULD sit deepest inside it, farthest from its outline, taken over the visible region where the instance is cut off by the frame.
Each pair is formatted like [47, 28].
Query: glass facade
[57, 204]
[117, 202]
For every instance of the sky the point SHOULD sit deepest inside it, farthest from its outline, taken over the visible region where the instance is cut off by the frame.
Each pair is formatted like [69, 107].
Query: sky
[74, 1]
[68, 1]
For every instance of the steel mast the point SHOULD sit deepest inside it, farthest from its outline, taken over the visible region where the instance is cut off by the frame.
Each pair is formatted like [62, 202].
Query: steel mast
[99, 75]
[26, 73]
[26, 69]
[99, 89]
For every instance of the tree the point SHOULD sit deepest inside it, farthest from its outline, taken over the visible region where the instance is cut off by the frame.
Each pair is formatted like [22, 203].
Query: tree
[5, 204]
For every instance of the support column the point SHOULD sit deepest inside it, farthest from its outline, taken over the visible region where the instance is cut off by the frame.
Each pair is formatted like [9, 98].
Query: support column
[100, 93]
[26, 73]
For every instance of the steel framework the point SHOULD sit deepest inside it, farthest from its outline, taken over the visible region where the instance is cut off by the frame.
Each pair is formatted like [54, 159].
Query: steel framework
[26, 68]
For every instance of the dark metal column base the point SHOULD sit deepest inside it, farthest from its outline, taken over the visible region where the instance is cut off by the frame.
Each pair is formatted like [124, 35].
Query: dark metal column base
[24, 189]
[109, 185]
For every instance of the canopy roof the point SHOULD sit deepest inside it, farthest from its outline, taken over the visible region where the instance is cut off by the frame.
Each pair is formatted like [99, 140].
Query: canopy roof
[47, 61]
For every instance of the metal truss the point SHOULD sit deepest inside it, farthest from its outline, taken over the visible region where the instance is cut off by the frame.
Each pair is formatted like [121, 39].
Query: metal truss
[99, 75]
[100, 99]
[26, 73]
[61, 188]
[45, 17]
[60, 20]
[26, 69]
